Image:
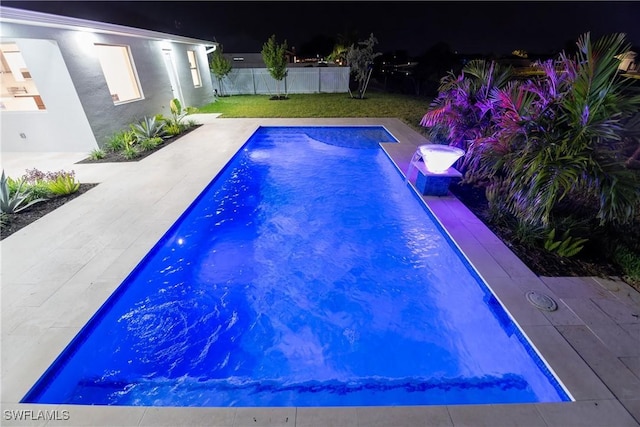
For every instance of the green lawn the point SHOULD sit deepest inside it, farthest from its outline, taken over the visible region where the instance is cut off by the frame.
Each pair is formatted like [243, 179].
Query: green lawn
[406, 108]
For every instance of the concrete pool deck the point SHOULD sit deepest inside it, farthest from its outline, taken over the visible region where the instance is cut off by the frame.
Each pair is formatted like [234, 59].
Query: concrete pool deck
[59, 270]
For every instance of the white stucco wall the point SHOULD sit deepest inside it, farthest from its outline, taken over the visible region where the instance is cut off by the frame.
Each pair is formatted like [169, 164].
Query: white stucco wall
[63, 126]
[76, 51]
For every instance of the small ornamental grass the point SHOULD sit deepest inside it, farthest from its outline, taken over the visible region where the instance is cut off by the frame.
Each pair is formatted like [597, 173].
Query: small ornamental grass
[97, 154]
[118, 141]
[148, 144]
[130, 152]
[4, 219]
[39, 190]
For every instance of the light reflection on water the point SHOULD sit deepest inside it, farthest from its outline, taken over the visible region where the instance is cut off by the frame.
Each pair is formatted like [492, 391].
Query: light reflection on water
[307, 274]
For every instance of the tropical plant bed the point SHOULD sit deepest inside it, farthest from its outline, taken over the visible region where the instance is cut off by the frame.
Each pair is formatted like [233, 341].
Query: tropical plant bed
[17, 221]
[542, 263]
[116, 157]
[553, 155]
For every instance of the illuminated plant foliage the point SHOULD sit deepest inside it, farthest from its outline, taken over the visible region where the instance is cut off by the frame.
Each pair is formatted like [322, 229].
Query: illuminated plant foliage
[548, 148]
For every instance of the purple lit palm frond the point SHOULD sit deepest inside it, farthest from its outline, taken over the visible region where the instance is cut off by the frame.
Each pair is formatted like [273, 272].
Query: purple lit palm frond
[438, 115]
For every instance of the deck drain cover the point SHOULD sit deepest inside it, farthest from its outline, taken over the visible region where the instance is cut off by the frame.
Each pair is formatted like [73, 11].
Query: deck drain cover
[542, 301]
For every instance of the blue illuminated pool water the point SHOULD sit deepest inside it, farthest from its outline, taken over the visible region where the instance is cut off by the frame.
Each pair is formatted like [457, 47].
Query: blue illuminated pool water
[306, 274]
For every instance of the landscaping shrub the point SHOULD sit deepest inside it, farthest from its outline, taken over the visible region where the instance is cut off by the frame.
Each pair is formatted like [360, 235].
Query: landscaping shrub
[39, 185]
[148, 128]
[39, 190]
[97, 154]
[547, 148]
[177, 114]
[117, 142]
[130, 152]
[173, 129]
[64, 184]
[145, 135]
[629, 261]
[148, 144]
[12, 202]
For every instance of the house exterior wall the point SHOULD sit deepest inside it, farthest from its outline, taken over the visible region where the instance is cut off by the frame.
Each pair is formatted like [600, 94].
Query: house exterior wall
[63, 126]
[104, 118]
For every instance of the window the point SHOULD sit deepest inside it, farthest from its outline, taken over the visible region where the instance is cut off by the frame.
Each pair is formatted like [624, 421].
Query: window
[18, 90]
[193, 65]
[119, 72]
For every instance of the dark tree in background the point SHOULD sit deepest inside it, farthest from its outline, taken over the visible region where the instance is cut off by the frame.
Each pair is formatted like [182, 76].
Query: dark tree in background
[318, 46]
[360, 58]
[432, 66]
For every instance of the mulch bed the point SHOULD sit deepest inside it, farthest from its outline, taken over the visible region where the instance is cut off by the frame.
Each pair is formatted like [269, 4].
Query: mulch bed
[23, 218]
[539, 261]
[118, 157]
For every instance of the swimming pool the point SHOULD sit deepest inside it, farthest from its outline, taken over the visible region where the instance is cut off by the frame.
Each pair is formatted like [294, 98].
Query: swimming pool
[306, 274]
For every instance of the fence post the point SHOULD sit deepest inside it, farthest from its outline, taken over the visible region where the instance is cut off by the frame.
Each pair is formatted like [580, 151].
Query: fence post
[253, 81]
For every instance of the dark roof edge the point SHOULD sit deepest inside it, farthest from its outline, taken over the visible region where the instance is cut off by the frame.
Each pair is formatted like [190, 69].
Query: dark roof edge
[28, 17]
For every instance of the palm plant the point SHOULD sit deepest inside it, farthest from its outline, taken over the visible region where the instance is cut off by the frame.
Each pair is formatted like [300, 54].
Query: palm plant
[547, 150]
[632, 141]
[462, 113]
[565, 145]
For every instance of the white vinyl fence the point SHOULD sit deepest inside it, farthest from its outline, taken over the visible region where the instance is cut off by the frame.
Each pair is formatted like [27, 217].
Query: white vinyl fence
[257, 81]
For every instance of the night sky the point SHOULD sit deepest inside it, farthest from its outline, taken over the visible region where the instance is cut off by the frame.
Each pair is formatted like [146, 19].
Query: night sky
[467, 27]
